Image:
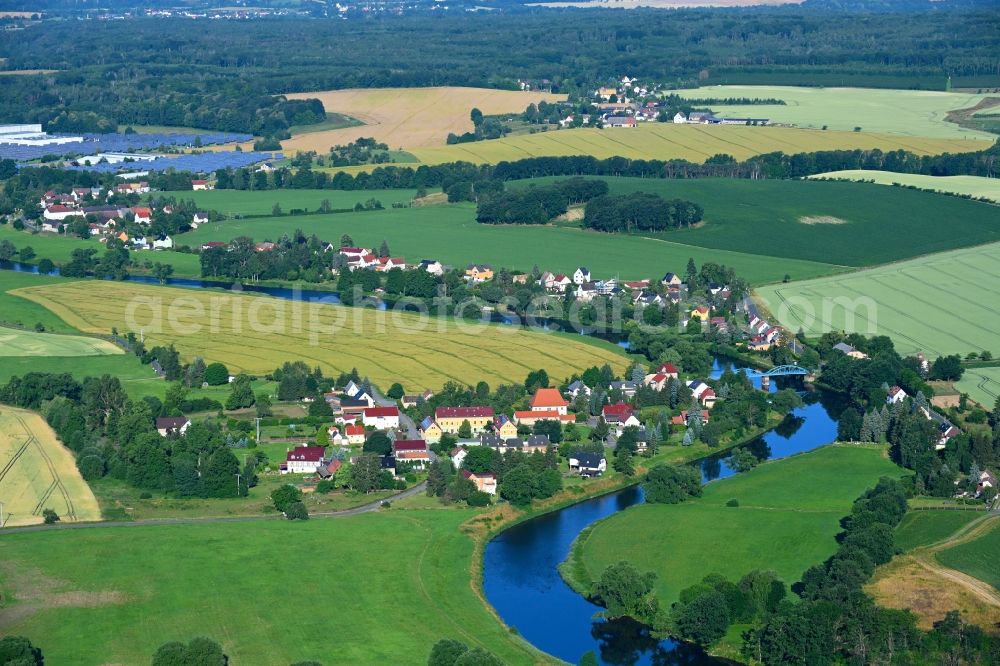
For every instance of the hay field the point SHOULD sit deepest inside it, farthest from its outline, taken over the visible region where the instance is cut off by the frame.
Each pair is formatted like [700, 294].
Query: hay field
[15, 342]
[939, 304]
[918, 113]
[975, 186]
[39, 473]
[982, 385]
[695, 143]
[407, 118]
[257, 334]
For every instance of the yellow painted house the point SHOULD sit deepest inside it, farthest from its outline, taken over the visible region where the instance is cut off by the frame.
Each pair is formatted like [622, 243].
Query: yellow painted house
[450, 419]
[479, 272]
[700, 313]
[430, 431]
[505, 428]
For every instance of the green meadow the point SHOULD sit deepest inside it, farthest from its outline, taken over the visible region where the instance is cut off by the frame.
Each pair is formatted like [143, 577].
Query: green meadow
[978, 557]
[368, 589]
[939, 304]
[451, 235]
[922, 528]
[982, 385]
[59, 248]
[916, 113]
[787, 520]
[973, 186]
[17, 310]
[849, 224]
[18, 342]
[244, 202]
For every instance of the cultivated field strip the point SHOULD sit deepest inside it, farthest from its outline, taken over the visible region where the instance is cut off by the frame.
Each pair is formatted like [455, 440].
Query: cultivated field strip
[975, 186]
[386, 346]
[39, 473]
[939, 304]
[691, 142]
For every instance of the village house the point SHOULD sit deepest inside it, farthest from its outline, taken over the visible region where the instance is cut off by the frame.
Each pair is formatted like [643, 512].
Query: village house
[328, 470]
[303, 460]
[201, 185]
[682, 418]
[847, 349]
[432, 266]
[386, 264]
[704, 393]
[430, 431]
[588, 464]
[336, 438]
[381, 418]
[486, 483]
[530, 417]
[199, 219]
[576, 388]
[620, 121]
[458, 456]
[581, 275]
[504, 427]
[627, 387]
[162, 242]
[142, 214]
[700, 313]
[450, 419]
[548, 399]
[166, 425]
[412, 451]
[355, 433]
[671, 280]
[536, 443]
[986, 480]
[59, 213]
[478, 273]
[896, 394]
[352, 409]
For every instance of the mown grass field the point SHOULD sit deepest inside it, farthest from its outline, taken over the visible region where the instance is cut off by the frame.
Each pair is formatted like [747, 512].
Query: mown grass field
[451, 235]
[38, 473]
[391, 584]
[137, 379]
[14, 342]
[59, 248]
[850, 224]
[788, 517]
[977, 558]
[982, 385]
[257, 334]
[240, 202]
[922, 528]
[662, 141]
[939, 304]
[15, 310]
[975, 186]
[919, 113]
[405, 118]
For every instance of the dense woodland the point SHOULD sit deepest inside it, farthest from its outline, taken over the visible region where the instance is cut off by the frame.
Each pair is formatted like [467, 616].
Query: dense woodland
[220, 75]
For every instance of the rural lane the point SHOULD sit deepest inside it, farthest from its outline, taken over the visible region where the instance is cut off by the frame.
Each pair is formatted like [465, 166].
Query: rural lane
[364, 508]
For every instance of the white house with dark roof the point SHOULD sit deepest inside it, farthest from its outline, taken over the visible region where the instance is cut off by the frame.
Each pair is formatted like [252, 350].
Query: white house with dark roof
[581, 275]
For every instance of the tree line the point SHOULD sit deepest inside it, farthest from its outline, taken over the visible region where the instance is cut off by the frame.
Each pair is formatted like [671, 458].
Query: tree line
[640, 211]
[229, 75]
[537, 204]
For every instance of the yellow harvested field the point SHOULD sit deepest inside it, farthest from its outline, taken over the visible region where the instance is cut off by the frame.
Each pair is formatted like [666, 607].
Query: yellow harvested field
[405, 118]
[37, 472]
[696, 143]
[15, 342]
[256, 334]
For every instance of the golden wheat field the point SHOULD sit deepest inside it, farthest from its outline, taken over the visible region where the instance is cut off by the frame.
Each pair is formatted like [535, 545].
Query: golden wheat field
[257, 334]
[406, 118]
[690, 142]
[37, 472]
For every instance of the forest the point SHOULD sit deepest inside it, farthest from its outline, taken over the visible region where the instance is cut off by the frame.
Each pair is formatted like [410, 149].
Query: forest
[222, 75]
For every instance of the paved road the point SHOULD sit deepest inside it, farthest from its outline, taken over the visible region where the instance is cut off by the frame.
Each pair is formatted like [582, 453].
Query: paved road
[364, 508]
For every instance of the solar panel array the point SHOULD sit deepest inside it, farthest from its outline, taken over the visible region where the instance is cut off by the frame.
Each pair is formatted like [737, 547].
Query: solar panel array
[201, 163]
[116, 143]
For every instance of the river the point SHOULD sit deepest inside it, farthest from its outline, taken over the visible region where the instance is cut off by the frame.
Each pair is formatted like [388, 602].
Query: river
[522, 582]
[520, 576]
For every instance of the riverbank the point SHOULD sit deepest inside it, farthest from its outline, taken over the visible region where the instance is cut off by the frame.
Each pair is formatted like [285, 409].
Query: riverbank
[796, 501]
